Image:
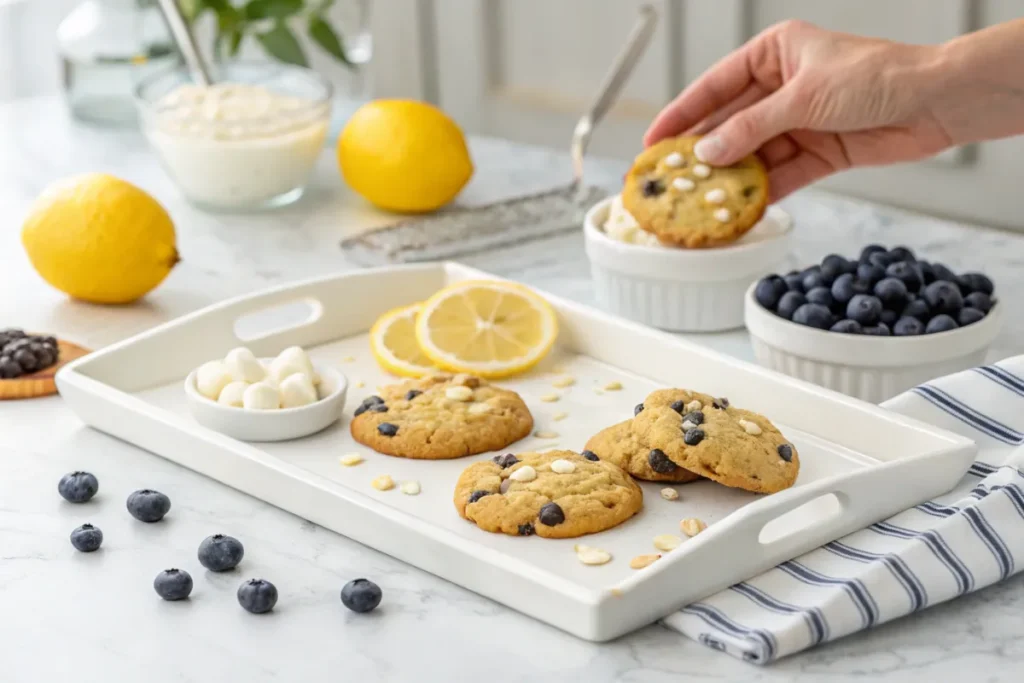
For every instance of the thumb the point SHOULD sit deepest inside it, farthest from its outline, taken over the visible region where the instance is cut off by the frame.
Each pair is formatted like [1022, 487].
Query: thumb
[745, 131]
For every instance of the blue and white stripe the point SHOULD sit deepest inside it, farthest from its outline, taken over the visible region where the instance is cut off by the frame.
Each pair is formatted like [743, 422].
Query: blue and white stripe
[934, 552]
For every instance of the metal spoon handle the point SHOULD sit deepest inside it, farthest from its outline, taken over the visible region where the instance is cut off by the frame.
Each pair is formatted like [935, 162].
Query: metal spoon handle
[636, 45]
[186, 43]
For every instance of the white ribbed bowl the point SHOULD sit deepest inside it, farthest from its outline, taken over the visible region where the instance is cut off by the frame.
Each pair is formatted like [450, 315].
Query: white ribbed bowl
[682, 290]
[870, 368]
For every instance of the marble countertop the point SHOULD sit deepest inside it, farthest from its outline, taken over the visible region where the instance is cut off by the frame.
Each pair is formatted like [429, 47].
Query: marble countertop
[68, 616]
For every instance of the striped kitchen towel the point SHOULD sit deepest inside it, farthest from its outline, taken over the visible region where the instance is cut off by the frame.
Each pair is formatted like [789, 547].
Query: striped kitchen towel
[969, 538]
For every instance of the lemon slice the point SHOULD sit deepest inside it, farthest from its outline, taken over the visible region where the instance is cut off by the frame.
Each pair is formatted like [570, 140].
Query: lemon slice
[393, 343]
[486, 328]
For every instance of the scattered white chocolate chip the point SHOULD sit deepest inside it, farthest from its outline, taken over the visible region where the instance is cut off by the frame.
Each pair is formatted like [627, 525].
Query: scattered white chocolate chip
[667, 542]
[524, 473]
[478, 408]
[542, 434]
[561, 466]
[684, 184]
[590, 555]
[348, 359]
[564, 381]
[722, 215]
[687, 425]
[693, 405]
[350, 459]
[550, 398]
[701, 170]
[750, 427]
[613, 386]
[641, 561]
[669, 493]
[691, 526]
[410, 488]
[459, 393]
[558, 417]
[674, 160]
[715, 196]
[359, 384]
[383, 483]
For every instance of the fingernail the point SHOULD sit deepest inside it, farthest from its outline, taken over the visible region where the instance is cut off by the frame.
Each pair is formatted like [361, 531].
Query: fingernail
[709, 149]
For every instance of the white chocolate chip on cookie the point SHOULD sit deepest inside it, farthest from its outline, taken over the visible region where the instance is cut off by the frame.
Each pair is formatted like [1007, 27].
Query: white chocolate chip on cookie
[715, 196]
[750, 427]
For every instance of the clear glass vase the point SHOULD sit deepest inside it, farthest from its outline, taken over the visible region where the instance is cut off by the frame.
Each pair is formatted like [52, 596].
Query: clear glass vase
[106, 47]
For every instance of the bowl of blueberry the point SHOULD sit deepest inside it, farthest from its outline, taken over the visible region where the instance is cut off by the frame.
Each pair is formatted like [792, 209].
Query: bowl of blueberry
[872, 326]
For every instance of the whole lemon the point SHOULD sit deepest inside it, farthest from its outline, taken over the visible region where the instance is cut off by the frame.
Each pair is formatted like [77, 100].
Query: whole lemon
[100, 239]
[404, 156]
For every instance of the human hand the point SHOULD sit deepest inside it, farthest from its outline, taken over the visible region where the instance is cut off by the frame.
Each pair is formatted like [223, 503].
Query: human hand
[812, 102]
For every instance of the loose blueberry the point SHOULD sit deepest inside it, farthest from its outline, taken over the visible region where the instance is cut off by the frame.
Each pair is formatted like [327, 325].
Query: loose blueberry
[387, 429]
[412, 393]
[847, 286]
[815, 279]
[789, 303]
[219, 553]
[477, 495]
[879, 330]
[821, 296]
[908, 327]
[87, 538]
[173, 584]
[660, 463]
[257, 596]
[78, 487]
[892, 293]
[940, 323]
[694, 416]
[867, 251]
[832, 266]
[361, 595]
[846, 326]
[769, 290]
[678, 406]
[978, 300]
[551, 515]
[870, 273]
[943, 297]
[943, 272]
[694, 436]
[148, 506]
[967, 316]
[526, 529]
[865, 309]
[880, 259]
[638, 408]
[902, 254]
[976, 282]
[652, 188]
[785, 452]
[506, 460]
[795, 282]
[590, 455]
[907, 273]
[813, 315]
[918, 308]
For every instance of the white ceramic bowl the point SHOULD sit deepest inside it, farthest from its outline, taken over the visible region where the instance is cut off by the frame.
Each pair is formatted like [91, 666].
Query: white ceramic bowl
[682, 290]
[870, 368]
[272, 425]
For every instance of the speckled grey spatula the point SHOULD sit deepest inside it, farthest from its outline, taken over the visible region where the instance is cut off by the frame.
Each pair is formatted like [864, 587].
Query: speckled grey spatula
[448, 234]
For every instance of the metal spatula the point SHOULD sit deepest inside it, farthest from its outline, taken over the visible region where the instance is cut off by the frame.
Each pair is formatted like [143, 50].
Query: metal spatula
[515, 221]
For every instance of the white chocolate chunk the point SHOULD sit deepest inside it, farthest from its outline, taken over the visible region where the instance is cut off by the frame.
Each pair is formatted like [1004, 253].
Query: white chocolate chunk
[232, 394]
[564, 381]
[243, 366]
[561, 466]
[211, 378]
[669, 493]
[590, 555]
[297, 390]
[524, 473]
[667, 542]
[674, 160]
[350, 459]
[683, 184]
[478, 408]
[261, 396]
[693, 405]
[722, 215]
[549, 398]
[383, 483]
[715, 196]
[410, 488]
[613, 386]
[701, 170]
[459, 393]
[750, 427]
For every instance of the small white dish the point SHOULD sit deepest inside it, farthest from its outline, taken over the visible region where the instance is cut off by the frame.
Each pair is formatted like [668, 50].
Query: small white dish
[870, 368]
[682, 290]
[272, 425]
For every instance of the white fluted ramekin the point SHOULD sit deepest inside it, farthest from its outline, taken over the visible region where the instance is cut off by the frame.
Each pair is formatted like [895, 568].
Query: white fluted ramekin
[682, 290]
[870, 368]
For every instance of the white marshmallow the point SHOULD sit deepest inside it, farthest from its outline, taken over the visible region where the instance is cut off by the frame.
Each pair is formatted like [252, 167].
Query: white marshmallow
[297, 390]
[211, 378]
[243, 366]
[231, 395]
[294, 355]
[261, 396]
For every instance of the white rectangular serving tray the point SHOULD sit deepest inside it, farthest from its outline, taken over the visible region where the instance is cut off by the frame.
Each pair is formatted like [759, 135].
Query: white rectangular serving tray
[859, 463]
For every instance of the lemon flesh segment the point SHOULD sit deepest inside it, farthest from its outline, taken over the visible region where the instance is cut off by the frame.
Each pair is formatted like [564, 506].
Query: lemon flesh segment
[393, 343]
[491, 329]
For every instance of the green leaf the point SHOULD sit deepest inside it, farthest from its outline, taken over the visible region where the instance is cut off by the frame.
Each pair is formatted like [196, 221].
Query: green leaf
[234, 42]
[272, 9]
[324, 36]
[281, 44]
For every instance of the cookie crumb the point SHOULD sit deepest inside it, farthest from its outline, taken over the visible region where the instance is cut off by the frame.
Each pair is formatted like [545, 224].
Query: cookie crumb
[359, 384]
[410, 488]
[350, 459]
[524, 473]
[459, 393]
[641, 561]
[564, 381]
[383, 483]
[669, 493]
[563, 466]
[558, 417]
[691, 526]
[613, 386]
[667, 542]
[550, 398]
[546, 435]
[597, 390]
[590, 555]
[750, 427]
[348, 359]
[616, 592]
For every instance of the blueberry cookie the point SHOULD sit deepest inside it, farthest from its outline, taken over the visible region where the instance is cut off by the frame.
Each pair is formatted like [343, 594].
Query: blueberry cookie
[557, 494]
[620, 446]
[690, 204]
[440, 417]
[709, 437]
